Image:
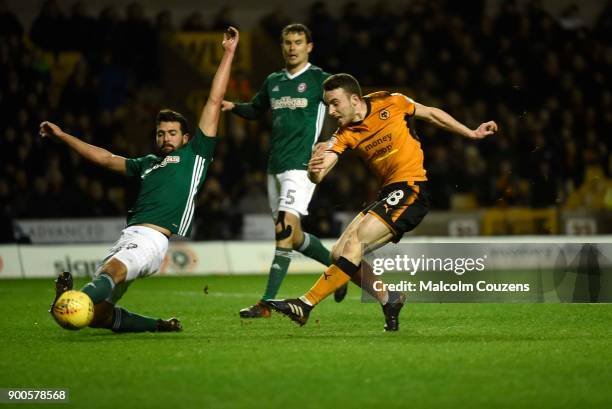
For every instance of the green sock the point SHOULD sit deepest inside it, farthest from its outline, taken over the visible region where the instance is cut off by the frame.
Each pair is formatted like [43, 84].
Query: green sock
[313, 248]
[100, 288]
[125, 321]
[278, 271]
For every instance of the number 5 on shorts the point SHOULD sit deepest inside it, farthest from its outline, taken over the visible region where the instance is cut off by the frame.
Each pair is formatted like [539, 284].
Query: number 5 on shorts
[290, 198]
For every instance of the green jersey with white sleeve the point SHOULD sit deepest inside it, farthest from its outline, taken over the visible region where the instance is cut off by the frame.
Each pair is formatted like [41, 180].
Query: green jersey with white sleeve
[296, 101]
[169, 184]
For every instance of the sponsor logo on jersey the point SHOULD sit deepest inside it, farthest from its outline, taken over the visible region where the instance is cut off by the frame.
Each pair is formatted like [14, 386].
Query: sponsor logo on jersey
[384, 114]
[288, 102]
[302, 87]
[275, 89]
[163, 163]
[378, 141]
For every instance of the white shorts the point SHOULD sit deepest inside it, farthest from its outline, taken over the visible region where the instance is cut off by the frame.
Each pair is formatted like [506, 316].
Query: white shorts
[142, 250]
[290, 191]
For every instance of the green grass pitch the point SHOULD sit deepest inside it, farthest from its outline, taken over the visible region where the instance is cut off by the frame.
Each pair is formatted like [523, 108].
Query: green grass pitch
[445, 355]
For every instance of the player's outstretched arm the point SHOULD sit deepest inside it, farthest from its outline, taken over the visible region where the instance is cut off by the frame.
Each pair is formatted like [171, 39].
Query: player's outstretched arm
[209, 119]
[443, 120]
[99, 156]
[321, 162]
[255, 109]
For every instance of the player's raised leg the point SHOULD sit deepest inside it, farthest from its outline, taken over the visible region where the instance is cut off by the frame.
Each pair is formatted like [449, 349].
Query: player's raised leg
[349, 254]
[364, 278]
[312, 247]
[367, 230]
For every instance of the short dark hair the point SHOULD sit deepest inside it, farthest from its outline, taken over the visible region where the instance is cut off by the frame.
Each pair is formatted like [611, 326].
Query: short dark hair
[296, 28]
[168, 115]
[345, 81]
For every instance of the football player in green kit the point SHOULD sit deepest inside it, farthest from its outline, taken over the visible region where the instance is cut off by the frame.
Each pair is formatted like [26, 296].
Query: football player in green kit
[169, 182]
[295, 96]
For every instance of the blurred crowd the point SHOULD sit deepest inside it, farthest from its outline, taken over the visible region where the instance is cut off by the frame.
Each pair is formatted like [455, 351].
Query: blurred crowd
[542, 77]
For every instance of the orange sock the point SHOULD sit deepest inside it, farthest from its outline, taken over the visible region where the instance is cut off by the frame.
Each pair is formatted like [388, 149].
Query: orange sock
[333, 278]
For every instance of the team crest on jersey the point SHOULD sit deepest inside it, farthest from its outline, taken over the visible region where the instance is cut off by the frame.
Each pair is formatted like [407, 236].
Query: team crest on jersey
[384, 114]
[172, 159]
[275, 89]
[302, 87]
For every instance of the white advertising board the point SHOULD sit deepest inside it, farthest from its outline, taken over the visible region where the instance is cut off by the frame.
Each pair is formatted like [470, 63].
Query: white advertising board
[10, 262]
[240, 257]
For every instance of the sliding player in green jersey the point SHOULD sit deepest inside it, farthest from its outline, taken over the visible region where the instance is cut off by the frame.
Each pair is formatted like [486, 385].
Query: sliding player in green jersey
[169, 182]
[295, 96]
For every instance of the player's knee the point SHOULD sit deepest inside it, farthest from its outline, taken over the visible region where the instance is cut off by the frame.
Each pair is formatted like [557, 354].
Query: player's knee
[283, 233]
[116, 269]
[283, 229]
[352, 246]
[297, 236]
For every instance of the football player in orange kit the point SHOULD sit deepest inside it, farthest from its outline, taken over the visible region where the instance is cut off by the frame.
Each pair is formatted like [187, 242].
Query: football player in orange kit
[378, 127]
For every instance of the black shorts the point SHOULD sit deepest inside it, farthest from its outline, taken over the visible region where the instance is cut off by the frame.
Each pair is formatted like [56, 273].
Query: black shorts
[401, 206]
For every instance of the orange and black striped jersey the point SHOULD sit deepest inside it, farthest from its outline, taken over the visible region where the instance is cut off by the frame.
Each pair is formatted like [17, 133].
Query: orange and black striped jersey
[384, 139]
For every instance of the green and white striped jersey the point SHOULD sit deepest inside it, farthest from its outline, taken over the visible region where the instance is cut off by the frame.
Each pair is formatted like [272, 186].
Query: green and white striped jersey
[169, 184]
[298, 111]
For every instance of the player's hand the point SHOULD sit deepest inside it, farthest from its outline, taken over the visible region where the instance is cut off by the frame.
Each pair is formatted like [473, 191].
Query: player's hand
[484, 130]
[319, 149]
[49, 130]
[230, 39]
[315, 164]
[227, 106]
